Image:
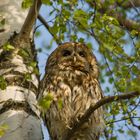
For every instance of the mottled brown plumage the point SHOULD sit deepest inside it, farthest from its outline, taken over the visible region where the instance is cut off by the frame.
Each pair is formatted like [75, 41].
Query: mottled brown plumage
[72, 77]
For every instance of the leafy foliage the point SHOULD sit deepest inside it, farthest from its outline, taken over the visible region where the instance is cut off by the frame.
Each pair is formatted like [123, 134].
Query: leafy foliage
[8, 47]
[118, 50]
[26, 4]
[3, 83]
[46, 102]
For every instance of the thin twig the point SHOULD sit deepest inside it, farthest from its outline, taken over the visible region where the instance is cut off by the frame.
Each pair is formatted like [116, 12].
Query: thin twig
[123, 119]
[48, 28]
[129, 4]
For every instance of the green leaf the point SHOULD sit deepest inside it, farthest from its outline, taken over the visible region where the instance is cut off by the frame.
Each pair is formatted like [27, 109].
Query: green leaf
[107, 89]
[135, 70]
[60, 2]
[45, 104]
[3, 83]
[134, 32]
[49, 97]
[110, 19]
[54, 29]
[24, 53]
[73, 37]
[116, 97]
[47, 2]
[124, 108]
[115, 110]
[33, 64]
[28, 77]
[111, 80]
[37, 34]
[132, 133]
[89, 45]
[118, 50]
[66, 14]
[3, 129]
[81, 17]
[46, 101]
[121, 131]
[108, 46]
[36, 71]
[60, 103]
[8, 47]
[2, 22]
[135, 85]
[113, 138]
[81, 40]
[26, 4]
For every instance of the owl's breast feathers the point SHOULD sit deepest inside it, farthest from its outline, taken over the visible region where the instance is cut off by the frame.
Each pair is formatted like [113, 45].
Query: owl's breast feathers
[72, 77]
[77, 90]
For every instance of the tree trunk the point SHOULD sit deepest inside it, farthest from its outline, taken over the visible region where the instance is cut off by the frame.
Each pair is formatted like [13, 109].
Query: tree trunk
[18, 80]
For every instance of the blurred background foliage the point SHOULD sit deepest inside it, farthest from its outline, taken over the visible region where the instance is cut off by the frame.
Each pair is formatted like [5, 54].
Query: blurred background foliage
[112, 29]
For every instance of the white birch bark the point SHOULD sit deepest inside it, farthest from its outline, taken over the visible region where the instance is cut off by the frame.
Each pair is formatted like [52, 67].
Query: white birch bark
[18, 104]
[14, 16]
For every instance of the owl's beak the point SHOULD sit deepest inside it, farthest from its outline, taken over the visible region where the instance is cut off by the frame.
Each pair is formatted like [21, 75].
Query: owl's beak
[74, 59]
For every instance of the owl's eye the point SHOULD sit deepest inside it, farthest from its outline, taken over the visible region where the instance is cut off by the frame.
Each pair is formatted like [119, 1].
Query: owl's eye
[82, 54]
[66, 53]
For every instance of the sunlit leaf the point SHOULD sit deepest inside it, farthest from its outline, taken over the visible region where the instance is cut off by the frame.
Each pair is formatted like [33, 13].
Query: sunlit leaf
[60, 103]
[24, 53]
[46, 101]
[3, 83]
[26, 4]
[37, 34]
[47, 2]
[8, 47]
[132, 133]
[3, 129]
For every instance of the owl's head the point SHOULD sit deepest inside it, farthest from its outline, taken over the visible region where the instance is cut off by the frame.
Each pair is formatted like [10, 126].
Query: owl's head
[73, 56]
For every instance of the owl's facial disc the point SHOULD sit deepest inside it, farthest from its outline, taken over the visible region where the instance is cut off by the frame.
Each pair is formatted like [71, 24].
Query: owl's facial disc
[73, 57]
[73, 60]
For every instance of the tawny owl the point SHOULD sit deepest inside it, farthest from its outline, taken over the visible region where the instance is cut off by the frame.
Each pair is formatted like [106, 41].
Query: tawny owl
[72, 77]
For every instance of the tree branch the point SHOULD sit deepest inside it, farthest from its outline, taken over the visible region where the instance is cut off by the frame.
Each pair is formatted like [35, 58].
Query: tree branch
[75, 126]
[130, 4]
[48, 28]
[30, 20]
[123, 119]
[127, 23]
